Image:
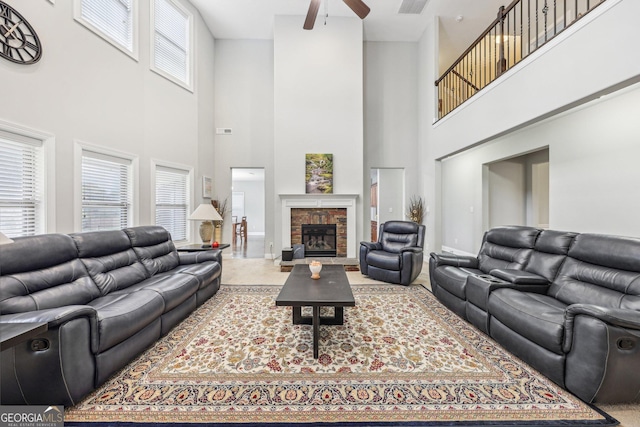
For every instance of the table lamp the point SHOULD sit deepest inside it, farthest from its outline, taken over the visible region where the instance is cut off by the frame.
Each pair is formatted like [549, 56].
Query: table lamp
[207, 214]
[4, 240]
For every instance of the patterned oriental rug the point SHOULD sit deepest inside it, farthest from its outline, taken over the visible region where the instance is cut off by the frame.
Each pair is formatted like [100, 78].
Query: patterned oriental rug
[401, 358]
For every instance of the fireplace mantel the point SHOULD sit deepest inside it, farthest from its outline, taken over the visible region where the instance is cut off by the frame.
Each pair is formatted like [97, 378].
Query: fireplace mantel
[320, 201]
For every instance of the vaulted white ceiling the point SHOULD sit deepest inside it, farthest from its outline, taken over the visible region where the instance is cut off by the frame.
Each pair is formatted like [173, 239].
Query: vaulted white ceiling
[253, 19]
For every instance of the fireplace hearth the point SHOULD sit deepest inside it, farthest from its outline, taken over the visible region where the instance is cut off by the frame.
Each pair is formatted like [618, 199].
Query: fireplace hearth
[319, 240]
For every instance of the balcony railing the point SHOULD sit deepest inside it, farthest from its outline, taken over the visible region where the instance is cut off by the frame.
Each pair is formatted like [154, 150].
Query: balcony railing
[520, 29]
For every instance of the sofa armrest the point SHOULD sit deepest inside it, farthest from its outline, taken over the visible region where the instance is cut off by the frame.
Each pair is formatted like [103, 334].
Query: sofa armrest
[454, 260]
[628, 319]
[413, 249]
[601, 346]
[54, 317]
[372, 246]
[518, 277]
[200, 256]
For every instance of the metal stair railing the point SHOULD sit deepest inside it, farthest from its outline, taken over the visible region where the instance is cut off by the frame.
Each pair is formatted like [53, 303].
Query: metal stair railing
[518, 30]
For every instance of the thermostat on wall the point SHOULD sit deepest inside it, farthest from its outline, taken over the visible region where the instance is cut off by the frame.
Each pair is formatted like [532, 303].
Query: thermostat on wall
[224, 131]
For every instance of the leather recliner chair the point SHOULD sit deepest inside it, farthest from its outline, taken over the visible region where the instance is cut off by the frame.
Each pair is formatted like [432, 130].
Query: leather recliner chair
[397, 255]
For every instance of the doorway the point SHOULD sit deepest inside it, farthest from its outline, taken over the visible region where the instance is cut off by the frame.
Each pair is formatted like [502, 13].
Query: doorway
[517, 190]
[248, 203]
[387, 197]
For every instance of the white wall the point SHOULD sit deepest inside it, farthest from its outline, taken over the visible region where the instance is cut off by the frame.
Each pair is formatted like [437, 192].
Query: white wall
[391, 204]
[318, 87]
[593, 57]
[593, 172]
[84, 89]
[507, 192]
[244, 103]
[391, 118]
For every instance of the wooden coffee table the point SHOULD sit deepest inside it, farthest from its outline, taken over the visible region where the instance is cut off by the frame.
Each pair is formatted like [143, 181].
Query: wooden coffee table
[331, 290]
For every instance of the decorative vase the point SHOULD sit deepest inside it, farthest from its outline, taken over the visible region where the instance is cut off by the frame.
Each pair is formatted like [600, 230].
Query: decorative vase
[315, 267]
[217, 232]
[206, 232]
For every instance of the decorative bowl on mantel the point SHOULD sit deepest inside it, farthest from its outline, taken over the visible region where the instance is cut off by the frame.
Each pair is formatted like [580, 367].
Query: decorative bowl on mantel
[315, 267]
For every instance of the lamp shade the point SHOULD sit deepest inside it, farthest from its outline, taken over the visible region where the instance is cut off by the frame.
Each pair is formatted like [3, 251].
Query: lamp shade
[205, 212]
[4, 239]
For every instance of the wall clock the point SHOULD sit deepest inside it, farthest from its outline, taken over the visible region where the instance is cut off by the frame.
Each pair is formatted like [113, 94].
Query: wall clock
[19, 42]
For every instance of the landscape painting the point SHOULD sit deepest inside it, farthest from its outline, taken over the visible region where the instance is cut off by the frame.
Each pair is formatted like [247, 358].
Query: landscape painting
[319, 174]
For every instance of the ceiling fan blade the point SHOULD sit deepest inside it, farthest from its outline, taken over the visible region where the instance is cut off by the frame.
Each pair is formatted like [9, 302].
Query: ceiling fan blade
[311, 14]
[358, 6]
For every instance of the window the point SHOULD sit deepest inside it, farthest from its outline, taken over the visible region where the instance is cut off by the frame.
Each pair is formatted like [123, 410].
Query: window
[172, 38]
[106, 192]
[113, 20]
[21, 186]
[172, 201]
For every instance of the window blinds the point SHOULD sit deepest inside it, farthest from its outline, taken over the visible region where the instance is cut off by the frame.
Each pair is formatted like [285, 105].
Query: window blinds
[171, 40]
[172, 201]
[21, 182]
[106, 192]
[114, 18]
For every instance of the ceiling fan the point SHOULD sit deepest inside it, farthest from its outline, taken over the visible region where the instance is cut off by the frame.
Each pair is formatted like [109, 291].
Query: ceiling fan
[358, 6]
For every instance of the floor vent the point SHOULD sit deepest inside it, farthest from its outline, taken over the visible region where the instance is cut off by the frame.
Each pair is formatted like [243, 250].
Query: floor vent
[412, 7]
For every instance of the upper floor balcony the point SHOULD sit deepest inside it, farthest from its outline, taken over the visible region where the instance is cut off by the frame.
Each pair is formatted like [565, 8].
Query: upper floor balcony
[519, 29]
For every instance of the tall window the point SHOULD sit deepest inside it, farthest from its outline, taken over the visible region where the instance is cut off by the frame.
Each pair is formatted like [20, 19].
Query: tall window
[21, 184]
[171, 53]
[113, 20]
[172, 201]
[106, 192]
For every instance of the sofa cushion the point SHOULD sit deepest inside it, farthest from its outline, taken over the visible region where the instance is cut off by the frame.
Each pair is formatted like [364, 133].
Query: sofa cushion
[205, 273]
[507, 248]
[110, 259]
[549, 253]
[397, 235]
[120, 316]
[173, 287]
[49, 277]
[600, 270]
[153, 246]
[539, 318]
[454, 279]
[385, 260]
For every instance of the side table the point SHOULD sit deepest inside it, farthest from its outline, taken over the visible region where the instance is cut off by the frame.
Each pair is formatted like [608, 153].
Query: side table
[197, 247]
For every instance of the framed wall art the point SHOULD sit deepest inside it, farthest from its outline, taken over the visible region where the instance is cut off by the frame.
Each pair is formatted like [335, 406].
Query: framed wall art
[206, 187]
[319, 173]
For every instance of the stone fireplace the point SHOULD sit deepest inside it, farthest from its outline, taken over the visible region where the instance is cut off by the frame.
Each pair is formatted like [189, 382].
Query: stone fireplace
[314, 209]
[317, 222]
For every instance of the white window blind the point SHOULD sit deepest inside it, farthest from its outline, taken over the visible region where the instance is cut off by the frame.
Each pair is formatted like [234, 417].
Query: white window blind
[21, 183]
[172, 45]
[172, 200]
[106, 192]
[113, 18]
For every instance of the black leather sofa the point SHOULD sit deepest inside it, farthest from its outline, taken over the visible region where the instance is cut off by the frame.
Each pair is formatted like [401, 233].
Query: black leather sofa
[566, 303]
[106, 296]
[397, 255]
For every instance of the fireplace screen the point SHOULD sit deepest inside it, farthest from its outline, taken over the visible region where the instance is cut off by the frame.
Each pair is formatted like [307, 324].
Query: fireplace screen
[319, 239]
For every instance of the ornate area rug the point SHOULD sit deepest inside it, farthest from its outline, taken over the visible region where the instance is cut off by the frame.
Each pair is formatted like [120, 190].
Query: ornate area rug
[400, 358]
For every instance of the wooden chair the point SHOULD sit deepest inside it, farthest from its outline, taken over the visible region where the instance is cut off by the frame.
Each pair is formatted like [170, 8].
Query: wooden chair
[241, 228]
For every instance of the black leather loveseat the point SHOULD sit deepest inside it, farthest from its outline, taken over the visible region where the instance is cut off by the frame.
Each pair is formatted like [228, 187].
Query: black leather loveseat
[566, 303]
[106, 296]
